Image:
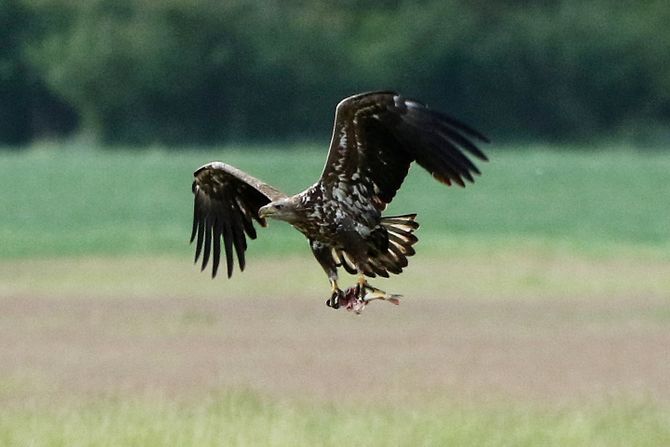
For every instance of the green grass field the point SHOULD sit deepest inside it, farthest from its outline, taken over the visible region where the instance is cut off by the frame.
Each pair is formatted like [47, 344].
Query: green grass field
[537, 310]
[244, 419]
[78, 202]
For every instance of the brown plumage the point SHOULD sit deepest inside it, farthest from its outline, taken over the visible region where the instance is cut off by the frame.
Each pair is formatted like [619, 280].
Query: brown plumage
[376, 137]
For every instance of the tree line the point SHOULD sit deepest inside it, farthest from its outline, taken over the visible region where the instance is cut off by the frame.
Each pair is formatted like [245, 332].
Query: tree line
[202, 72]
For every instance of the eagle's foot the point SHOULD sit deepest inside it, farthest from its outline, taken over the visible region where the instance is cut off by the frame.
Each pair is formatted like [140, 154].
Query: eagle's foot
[335, 299]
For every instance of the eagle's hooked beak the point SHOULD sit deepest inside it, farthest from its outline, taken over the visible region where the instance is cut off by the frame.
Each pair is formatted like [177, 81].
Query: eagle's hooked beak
[267, 210]
[264, 211]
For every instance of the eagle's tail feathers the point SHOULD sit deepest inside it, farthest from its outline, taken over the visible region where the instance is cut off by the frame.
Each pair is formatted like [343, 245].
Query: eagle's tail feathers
[400, 246]
[378, 267]
[405, 223]
[400, 241]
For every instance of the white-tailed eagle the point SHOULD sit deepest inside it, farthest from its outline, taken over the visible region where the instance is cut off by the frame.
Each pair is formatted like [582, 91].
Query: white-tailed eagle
[376, 137]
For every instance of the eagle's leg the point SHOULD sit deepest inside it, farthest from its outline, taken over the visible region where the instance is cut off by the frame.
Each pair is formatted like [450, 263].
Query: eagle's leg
[323, 254]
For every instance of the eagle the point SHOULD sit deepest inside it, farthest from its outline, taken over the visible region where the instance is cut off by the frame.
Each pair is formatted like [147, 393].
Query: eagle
[375, 139]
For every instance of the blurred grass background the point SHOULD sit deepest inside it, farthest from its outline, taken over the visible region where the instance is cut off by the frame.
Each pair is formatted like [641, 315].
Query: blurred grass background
[245, 419]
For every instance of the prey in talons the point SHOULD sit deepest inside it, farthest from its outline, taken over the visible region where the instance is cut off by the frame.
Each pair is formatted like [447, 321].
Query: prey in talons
[355, 298]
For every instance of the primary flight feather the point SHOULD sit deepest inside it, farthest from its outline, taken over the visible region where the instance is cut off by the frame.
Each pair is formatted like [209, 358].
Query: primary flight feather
[376, 137]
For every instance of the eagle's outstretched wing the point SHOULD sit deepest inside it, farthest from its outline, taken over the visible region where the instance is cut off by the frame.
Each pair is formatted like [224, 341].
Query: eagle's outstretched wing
[226, 203]
[378, 135]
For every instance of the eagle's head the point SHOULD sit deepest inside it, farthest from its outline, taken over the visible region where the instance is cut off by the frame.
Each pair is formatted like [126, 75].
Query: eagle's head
[286, 209]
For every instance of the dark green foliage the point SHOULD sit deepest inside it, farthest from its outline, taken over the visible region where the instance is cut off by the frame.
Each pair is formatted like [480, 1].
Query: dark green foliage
[27, 106]
[174, 71]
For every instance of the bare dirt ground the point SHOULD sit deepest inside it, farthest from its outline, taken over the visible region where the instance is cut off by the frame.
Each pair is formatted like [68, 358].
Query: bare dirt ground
[554, 348]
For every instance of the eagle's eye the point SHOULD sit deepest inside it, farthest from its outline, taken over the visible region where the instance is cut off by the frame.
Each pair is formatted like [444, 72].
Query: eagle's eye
[279, 206]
